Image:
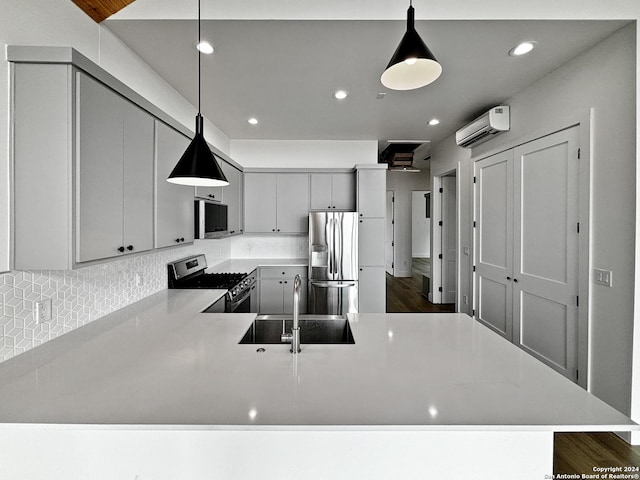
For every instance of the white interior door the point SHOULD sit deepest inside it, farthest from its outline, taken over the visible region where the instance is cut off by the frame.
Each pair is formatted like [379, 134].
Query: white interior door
[389, 243]
[494, 242]
[449, 240]
[546, 246]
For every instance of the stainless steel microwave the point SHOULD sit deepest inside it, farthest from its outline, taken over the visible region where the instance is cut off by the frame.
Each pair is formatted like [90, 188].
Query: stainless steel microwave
[210, 219]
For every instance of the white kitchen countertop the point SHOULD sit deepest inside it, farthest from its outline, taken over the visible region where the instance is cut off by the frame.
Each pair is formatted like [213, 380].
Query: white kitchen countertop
[159, 362]
[247, 265]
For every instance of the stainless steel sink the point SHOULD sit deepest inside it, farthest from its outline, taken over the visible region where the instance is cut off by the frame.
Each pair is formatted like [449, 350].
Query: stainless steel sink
[314, 329]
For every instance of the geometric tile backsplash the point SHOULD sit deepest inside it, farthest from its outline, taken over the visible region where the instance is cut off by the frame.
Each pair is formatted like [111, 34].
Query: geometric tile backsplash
[83, 295]
[86, 294]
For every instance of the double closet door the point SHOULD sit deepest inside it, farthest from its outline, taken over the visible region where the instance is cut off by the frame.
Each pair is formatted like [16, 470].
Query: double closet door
[526, 247]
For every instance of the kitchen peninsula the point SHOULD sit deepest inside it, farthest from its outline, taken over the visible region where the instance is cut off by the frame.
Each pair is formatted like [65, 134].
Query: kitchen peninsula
[178, 396]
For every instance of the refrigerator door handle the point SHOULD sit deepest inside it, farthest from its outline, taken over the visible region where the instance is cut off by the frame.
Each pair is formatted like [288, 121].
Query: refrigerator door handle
[329, 235]
[333, 284]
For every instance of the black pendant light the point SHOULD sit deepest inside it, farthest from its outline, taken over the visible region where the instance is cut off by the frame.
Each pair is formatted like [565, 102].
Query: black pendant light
[412, 65]
[197, 166]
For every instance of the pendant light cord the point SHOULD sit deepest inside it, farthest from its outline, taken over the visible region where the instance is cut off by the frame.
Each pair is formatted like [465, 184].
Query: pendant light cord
[199, 57]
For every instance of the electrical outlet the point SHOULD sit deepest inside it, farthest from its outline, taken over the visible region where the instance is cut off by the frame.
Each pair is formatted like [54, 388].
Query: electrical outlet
[602, 277]
[139, 279]
[43, 311]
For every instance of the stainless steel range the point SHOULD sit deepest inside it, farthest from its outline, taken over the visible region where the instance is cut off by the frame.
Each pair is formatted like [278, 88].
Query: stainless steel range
[190, 273]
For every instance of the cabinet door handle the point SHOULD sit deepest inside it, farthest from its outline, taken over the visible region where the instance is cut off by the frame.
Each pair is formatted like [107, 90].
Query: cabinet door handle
[333, 206]
[130, 247]
[515, 280]
[278, 229]
[280, 282]
[285, 281]
[361, 221]
[212, 196]
[182, 239]
[360, 269]
[329, 206]
[273, 229]
[121, 249]
[360, 214]
[508, 278]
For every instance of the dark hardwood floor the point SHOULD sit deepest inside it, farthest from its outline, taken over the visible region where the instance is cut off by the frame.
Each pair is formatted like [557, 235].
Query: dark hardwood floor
[573, 453]
[579, 453]
[405, 295]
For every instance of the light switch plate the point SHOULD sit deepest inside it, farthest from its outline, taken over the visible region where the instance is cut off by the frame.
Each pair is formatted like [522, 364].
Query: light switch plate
[602, 277]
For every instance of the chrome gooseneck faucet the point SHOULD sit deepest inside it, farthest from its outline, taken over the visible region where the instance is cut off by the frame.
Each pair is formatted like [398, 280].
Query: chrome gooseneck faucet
[294, 336]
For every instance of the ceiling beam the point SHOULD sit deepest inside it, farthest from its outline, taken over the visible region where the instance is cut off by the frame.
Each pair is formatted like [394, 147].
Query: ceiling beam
[101, 9]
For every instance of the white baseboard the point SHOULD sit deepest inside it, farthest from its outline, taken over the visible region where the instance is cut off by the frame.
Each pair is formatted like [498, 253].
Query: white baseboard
[402, 273]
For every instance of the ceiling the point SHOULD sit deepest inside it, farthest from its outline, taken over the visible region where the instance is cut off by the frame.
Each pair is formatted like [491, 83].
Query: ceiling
[284, 72]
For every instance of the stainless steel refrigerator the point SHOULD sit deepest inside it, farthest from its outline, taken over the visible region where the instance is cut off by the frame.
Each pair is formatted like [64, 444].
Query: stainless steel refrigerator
[333, 263]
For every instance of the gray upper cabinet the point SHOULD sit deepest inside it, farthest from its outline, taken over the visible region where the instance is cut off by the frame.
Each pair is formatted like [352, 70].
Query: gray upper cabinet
[174, 203]
[293, 203]
[276, 202]
[372, 185]
[114, 174]
[333, 191]
[260, 190]
[100, 155]
[210, 193]
[91, 151]
[233, 197]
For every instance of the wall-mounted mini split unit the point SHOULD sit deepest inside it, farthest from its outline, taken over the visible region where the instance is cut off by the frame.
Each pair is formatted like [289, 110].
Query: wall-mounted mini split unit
[484, 128]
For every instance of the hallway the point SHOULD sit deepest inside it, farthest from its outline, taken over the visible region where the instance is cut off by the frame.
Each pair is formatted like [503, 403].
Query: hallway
[405, 294]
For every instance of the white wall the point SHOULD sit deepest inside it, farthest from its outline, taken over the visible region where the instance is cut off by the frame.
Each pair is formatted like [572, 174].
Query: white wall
[603, 79]
[304, 153]
[446, 157]
[420, 226]
[402, 183]
[60, 22]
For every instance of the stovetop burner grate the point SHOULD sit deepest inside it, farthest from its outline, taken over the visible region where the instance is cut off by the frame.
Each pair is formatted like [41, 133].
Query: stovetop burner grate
[213, 280]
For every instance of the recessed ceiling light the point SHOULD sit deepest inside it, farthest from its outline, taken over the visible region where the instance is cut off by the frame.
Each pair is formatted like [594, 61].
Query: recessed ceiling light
[434, 121]
[340, 95]
[523, 48]
[253, 121]
[205, 47]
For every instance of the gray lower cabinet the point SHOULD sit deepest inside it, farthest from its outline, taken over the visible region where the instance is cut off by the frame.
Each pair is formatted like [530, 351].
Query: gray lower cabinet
[371, 241]
[276, 289]
[371, 290]
[114, 172]
[276, 202]
[333, 191]
[174, 203]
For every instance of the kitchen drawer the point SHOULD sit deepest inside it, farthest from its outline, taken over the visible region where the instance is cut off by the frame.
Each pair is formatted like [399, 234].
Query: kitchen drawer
[282, 272]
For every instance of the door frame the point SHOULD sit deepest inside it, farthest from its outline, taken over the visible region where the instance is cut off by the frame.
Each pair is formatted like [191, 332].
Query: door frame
[584, 121]
[435, 295]
[390, 216]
